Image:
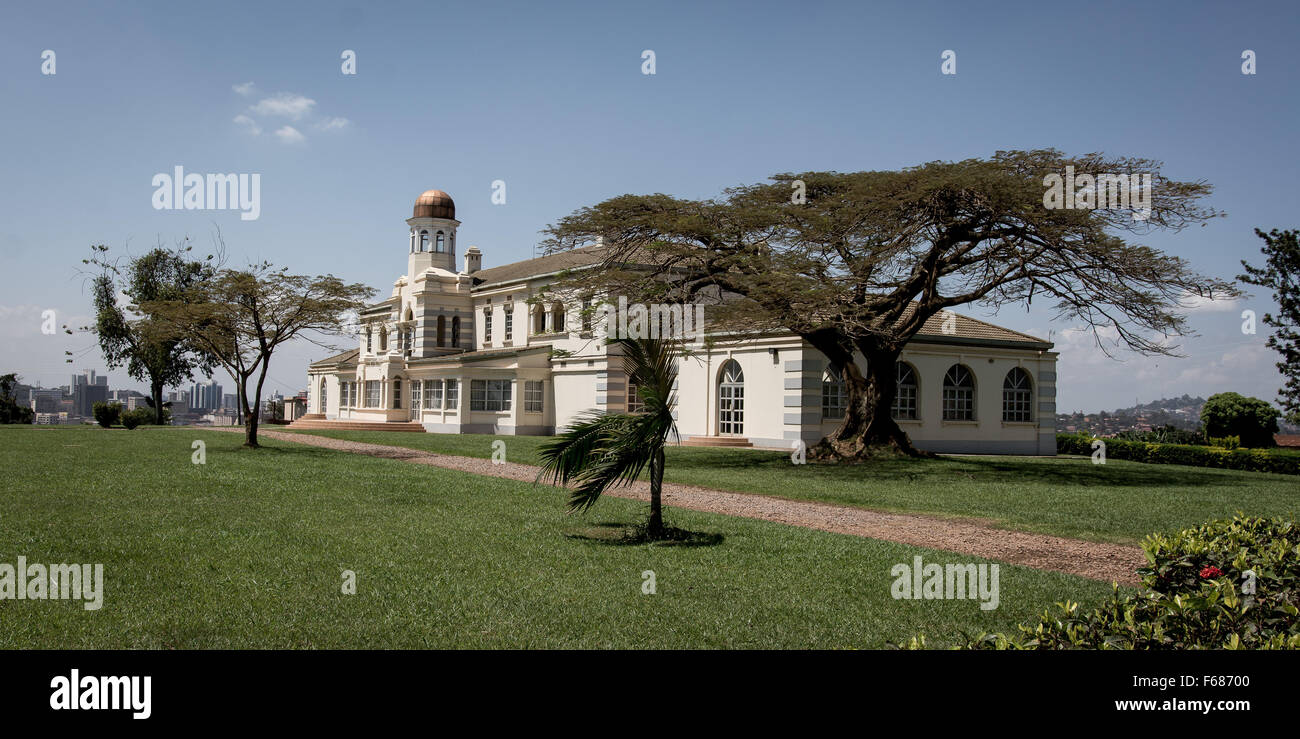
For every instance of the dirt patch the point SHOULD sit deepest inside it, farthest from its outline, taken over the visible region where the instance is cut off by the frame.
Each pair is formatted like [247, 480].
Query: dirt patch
[1093, 560]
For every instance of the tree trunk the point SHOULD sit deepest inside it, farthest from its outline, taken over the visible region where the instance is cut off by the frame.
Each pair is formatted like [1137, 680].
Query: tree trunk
[655, 526]
[250, 425]
[868, 428]
[156, 392]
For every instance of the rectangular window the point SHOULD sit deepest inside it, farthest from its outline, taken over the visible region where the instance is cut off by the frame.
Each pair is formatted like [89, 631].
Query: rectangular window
[487, 326]
[833, 400]
[634, 404]
[416, 388]
[509, 325]
[343, 394]
[958, 403]
[904, 407]
[372, 393]
[433, 394]
[533, 396]
[453, 393]
[489, 395]
[1017, 405]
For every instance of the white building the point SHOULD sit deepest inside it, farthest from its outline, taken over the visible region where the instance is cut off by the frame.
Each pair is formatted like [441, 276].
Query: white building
[465, 351]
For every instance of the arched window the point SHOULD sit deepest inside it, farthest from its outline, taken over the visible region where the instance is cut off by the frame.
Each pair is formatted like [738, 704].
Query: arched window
[557, 317]
[959, 394]
[834, 396]
[383, 338]
[731, 399]
[442, 331]
[412, 242]
[440, 244]
[324, 394]
[455, 331]
[424, 241]
[905, 393]
[369, 340]
[539, 319]
[1018, 396]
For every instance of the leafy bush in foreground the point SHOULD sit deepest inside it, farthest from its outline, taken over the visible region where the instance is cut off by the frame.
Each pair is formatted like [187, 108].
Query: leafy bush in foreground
[1231, 584]
[137, 417]
[1252, 460]
[107, 414]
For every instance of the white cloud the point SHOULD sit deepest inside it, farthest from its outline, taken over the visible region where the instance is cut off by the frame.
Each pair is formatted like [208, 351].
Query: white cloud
[287, 104]
[244, 88]
[290, 135]
[248, 124]
[1193, 303]
[333, 124]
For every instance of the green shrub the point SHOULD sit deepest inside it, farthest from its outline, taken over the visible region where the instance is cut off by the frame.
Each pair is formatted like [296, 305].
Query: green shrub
[137, 417]
[1252, 420]
[1226, 442]
[1250, 460]
[107, 414]
[1231, 584]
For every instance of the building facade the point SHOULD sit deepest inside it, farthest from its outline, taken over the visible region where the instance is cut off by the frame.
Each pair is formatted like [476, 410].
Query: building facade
[476, 350]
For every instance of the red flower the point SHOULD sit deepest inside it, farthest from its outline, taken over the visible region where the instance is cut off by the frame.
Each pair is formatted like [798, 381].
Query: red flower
[1210, 572]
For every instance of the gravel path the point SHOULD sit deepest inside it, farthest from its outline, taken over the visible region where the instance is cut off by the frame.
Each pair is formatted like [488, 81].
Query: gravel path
[1094, 560]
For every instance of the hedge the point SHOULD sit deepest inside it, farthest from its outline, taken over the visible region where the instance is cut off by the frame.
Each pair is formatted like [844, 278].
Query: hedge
[1253, 460]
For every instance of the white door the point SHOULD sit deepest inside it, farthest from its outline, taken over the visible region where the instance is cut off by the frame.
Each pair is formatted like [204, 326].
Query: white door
[417, 388]
[731, 400]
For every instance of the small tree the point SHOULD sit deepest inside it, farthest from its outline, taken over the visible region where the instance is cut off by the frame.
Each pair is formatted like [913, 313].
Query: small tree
[1251, 419]
[1281, 274]
[127, 335]
[238, 318]
[10, 411]
[602, 450]
[107, 414]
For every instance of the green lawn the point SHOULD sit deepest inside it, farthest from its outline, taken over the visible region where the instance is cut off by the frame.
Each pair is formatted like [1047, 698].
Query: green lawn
[247, 550]
[1069, 496]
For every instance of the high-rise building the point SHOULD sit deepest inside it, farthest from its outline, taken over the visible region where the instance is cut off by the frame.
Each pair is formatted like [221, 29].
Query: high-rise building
[206, 396]
[46, 400]
[88, 389]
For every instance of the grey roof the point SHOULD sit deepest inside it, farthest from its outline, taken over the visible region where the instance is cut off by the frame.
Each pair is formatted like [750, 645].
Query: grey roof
[549, 264]
[344, 358]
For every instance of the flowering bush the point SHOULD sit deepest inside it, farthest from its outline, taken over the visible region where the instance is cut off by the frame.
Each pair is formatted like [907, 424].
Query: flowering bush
[1231, 584]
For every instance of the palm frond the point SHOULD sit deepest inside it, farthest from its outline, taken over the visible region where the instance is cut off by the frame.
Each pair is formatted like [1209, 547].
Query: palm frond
[603, 450]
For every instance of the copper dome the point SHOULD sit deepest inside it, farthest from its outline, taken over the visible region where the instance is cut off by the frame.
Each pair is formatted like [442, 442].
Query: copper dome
[434, 204]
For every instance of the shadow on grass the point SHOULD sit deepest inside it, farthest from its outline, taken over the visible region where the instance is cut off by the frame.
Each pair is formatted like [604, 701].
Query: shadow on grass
[619, 534]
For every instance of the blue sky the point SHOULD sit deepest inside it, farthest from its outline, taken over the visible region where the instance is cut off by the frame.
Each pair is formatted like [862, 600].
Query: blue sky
[550, 98]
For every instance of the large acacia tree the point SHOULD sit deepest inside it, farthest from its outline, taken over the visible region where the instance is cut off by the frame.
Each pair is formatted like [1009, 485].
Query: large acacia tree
[855, 263]
[239, 317]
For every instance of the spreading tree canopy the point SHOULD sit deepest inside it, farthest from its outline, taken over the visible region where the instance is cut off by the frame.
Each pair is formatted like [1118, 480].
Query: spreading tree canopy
[855, 263]
[239, 317]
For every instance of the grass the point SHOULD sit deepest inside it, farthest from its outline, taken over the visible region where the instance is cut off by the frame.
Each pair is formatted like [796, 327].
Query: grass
[1068, 496]
[248, 551]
